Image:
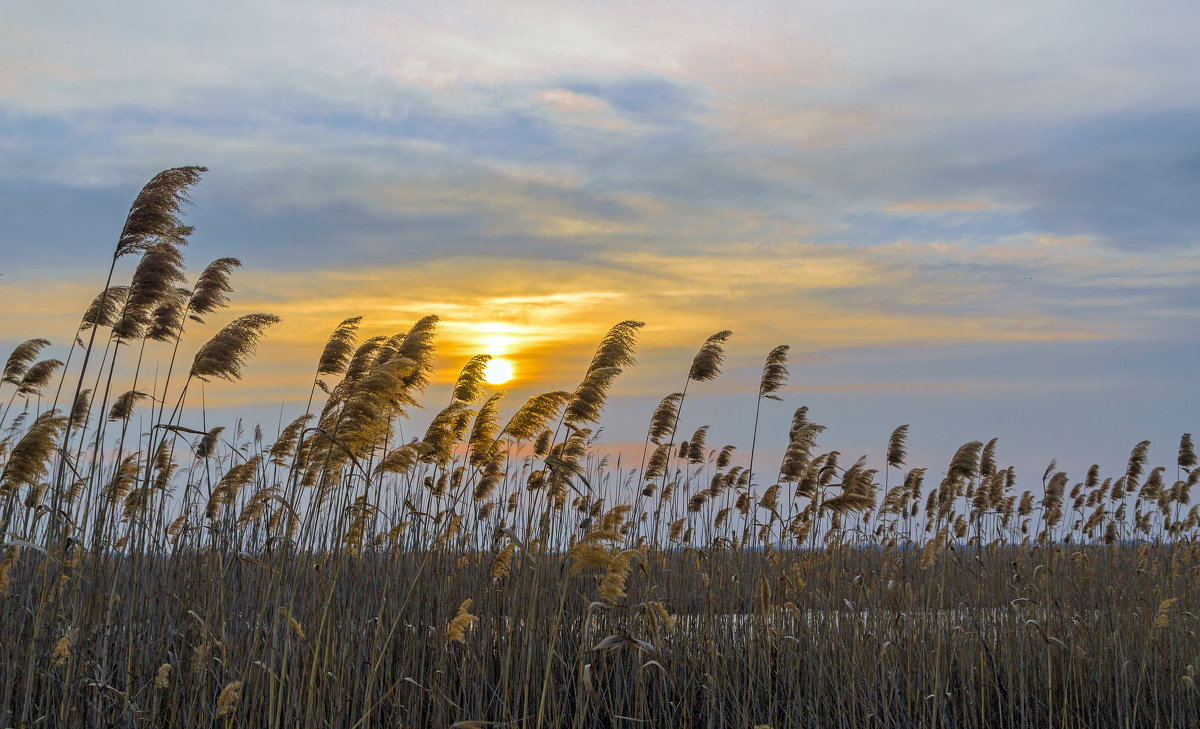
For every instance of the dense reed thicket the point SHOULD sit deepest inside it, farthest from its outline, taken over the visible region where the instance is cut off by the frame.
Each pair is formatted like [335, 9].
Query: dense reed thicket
[501, 571]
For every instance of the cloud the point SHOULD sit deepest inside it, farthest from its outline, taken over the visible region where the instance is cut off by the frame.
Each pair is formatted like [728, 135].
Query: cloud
[938, 206]
[548, 314]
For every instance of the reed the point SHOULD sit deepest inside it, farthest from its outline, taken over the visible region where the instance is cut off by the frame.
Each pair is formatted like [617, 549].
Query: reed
[499, 570]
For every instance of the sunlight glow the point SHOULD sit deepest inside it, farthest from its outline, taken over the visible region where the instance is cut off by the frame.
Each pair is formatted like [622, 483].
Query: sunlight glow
[498, 371]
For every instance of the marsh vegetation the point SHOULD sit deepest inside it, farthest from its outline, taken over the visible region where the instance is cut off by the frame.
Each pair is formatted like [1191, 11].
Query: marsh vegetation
[500, 570]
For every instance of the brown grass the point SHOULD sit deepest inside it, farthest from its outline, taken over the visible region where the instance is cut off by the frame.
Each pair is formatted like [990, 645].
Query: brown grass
[503, 572]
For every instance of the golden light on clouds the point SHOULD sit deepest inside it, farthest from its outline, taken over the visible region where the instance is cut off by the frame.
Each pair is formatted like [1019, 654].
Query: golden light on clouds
[543, 318]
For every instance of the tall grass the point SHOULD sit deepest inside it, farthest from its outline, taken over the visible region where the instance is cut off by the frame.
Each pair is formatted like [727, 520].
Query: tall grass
[499, 570]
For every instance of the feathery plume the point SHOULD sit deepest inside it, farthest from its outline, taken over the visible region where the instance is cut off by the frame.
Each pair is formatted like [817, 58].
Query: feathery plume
[1137, 463]
[37, 377]
[105, 308]
[965, 463]
[612, 587]
[461, 623]
[226, 353]
[1163, 616]
[81, 409]
[614, 353]
[213, 287]
[1187, 453]
[62, 650]
[802, 438]
[154, 214]
[444, 431]
[360, 364]
[706, 365]
[154, 282]
[417, 347]
[933, 547]
[166, 322]
[663, 420]
[335, 358]
[400, 460]
[849, 502]
[26, 464]
[532, 417]
[485, 430]
[896, 450]
[502, 564]
[22, 355]
[123, 406]
[696, 445]
[228, 699]
[208, 442]
[285, 444]
[726, 455]
[469, 386]
[774, 373]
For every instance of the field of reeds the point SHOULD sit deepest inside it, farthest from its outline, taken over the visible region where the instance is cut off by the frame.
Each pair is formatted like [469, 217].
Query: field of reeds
[500, 571]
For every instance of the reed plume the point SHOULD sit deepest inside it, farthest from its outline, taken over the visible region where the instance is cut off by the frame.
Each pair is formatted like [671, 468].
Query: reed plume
[965, 463]
[226, 353]
[706, 365]
[1187, 453]
[662, 421]
[212, 288]
[154, 283]
[339, 348]
[81, 409]
[802, 439]
[462, 621]
[696, 445]
[614, 353]
[123, 406]
[37, 376]
[417, 347]
[616, 574]
[154, 215]
[228, 699]
[1163, 615]
[166, 321]
[532, 417]
[468, 387]
[105, 308]
[285, 444]
[1137, 464]
[502, 563]
[774, 373]
[208, 442]
[896, 451]
[22, 355]
[26, 465]
[485, 430]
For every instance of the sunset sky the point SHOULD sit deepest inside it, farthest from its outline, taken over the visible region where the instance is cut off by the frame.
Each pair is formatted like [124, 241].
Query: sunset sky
[979, 219]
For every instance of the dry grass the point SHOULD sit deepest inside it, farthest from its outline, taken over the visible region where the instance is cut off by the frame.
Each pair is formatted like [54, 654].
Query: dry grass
[502, 573]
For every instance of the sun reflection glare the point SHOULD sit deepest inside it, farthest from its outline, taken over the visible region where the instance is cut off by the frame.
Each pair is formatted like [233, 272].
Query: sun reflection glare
[498, 371]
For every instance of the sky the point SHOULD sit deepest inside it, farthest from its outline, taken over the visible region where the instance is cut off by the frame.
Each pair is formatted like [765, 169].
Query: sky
[977, 219]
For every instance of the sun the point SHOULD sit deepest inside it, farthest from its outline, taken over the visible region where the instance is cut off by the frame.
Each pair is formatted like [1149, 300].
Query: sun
[498, 371]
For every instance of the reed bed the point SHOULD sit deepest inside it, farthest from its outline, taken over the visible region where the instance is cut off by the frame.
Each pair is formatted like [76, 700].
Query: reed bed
[500, 571]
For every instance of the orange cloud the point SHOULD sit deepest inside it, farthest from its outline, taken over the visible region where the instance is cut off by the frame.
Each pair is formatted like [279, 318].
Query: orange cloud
[547, 315]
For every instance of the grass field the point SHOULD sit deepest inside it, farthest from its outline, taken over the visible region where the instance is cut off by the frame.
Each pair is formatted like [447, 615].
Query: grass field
[499, 571]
